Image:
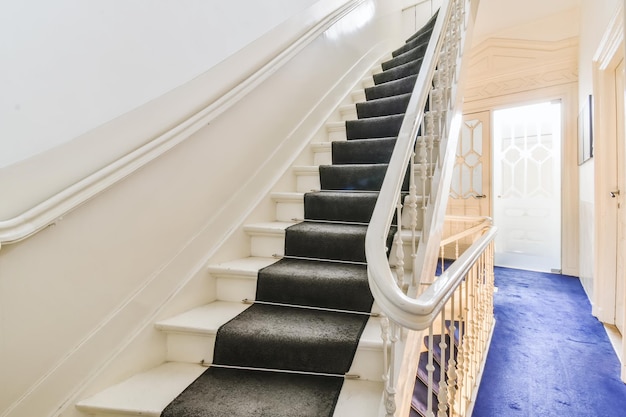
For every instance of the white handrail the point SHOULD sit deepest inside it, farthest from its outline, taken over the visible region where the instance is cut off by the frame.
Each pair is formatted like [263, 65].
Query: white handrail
[409, 312]
[49, 211]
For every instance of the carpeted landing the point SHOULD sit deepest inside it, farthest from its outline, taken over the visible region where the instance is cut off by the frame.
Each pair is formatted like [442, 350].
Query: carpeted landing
[549, 357]
[312, 305]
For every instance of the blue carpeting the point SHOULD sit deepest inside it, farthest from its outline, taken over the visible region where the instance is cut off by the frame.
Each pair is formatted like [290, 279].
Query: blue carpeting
[549, 356]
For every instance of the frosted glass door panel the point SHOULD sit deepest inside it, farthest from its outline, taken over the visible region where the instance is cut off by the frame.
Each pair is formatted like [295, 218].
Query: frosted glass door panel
[527, 186]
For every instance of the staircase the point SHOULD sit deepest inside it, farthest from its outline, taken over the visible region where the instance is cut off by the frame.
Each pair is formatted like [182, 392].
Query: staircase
[294, 330]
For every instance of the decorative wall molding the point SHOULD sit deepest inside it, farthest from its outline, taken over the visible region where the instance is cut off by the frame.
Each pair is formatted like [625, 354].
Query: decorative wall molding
[500, 67]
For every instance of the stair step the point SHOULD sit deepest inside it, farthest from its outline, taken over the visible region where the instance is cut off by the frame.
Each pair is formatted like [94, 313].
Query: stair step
[267, 239]
[271, 236]
[358, 96]
[236, 280]
[191, 338]
[289, 205]
[144, 394]
[322, 153]
[148, 393]
[348, 111]
[336, 131]
[308, 178]
[368, 81]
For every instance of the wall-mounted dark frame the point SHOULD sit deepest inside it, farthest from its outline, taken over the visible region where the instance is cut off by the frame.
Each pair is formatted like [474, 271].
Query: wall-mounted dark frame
[585, 131]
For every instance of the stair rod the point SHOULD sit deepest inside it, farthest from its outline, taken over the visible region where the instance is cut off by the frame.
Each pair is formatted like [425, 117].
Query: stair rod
[296, 220]
[280, 371]
[333, 310]
[304, 258]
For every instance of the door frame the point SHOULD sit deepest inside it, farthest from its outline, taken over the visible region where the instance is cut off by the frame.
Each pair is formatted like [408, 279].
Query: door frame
[496, 200]
[608, 55]
[568, 95]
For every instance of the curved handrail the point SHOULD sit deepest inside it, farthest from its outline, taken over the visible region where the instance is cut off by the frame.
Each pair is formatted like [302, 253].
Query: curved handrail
[49, 211]
[405, 310]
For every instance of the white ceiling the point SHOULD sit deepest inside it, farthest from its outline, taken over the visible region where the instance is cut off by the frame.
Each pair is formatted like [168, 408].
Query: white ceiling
[496, 15]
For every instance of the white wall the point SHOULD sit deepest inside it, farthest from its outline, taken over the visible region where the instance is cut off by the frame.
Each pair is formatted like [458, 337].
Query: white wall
[595, 18]
[103, 91]
[69, 66]
[78, 300]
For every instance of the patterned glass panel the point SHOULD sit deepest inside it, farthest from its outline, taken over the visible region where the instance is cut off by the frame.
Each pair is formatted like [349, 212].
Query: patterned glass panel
[526, 161]
[467, 178]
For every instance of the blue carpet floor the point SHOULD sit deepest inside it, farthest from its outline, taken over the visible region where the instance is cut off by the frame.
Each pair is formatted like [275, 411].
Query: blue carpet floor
[549, 356]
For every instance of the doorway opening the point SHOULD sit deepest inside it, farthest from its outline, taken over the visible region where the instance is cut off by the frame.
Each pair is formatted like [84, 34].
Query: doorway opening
[527, 186]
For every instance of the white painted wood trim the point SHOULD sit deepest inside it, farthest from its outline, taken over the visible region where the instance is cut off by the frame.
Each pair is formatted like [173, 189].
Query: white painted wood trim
[603, 296]
[54, 208]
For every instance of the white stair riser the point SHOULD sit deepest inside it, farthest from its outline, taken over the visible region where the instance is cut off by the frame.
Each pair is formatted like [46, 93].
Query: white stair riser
[307, 181]
[358, 96]
[267, 245]
[368, 81]
[368, 364]
[233, 288]
[348, 113]
[192, 348]
[287, 211]
[336, 132]
[322, 157]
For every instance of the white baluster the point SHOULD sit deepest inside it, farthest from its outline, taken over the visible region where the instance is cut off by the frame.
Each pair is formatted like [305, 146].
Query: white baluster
[388, 379]
[442, 396]
[452, 374]
[399, 249]
[430, 367]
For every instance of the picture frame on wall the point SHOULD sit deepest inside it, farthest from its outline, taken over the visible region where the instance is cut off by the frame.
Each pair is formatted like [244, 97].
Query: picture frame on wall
[585, 131]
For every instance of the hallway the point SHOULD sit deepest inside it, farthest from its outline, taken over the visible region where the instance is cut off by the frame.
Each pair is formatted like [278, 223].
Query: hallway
[549, 356]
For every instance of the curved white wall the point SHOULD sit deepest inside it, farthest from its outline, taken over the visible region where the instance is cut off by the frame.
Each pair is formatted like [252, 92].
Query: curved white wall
[69, 66]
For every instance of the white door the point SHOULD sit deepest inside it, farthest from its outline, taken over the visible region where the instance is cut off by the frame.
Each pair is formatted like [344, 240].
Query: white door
[527, 186]
[620, 295]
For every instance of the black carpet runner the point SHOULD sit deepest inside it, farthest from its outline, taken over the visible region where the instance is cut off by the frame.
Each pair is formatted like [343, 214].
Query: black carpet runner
[312, 305]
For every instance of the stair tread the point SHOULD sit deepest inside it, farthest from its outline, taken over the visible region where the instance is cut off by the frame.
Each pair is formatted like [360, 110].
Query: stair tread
[321, 145]
[336, 125]
[208, 318]
[205, 319]
[306, 169]
[286, 195]
[148, 393]
[267, 227]
[242, 267]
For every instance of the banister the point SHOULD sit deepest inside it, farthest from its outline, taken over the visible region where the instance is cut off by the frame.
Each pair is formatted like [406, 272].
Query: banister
[418, 313]
[426, 149]
[396, 302]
